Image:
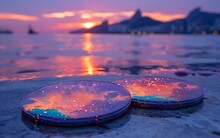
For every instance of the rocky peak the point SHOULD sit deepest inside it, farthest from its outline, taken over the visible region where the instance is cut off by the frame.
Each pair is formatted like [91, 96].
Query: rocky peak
[198, 9]
[195, 12]
[137, 15]
[105, 23]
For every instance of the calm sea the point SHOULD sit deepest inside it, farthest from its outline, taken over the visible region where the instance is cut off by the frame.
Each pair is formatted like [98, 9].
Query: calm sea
[25, 57]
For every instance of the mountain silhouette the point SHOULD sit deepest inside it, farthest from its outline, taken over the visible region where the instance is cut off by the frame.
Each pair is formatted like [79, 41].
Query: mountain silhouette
[138, 21]
[197, 21]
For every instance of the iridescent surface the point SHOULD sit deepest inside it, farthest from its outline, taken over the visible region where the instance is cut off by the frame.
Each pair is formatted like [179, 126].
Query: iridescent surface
[76, 100]
[160, 89]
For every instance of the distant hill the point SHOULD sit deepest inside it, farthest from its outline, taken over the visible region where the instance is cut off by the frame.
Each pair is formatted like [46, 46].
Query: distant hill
[197, 21]
[138, 21]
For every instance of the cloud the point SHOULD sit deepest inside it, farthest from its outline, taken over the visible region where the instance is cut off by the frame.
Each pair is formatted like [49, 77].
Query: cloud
[86, 16]
[127, 13]
[104, 14]
[59, 14]
[15, 16]
[97, 14]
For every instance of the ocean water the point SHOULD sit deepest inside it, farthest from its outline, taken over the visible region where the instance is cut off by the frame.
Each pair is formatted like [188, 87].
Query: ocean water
[24, 57]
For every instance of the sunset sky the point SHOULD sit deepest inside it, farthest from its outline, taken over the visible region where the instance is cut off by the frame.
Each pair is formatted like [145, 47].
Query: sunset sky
[61, 16]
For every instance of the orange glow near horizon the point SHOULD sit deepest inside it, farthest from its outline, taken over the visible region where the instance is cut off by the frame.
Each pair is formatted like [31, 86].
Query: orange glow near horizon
[74, 25]
[163, 17]
[88, 25]
[63, 26]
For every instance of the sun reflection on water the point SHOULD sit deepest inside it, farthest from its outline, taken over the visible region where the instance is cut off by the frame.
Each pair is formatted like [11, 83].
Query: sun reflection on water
[29, 57]
[87, 60]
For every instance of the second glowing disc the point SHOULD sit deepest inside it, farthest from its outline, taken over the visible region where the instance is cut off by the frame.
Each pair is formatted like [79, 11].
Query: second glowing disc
[162, 92]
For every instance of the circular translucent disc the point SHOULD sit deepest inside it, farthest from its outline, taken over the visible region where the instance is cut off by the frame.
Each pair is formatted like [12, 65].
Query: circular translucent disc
[76, 103]
[162, 92]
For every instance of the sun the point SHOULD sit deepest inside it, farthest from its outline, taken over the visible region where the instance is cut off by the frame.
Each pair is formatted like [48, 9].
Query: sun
[88, 25]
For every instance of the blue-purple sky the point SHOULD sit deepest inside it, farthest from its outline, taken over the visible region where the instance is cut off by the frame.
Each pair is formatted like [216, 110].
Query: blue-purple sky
[63, 15]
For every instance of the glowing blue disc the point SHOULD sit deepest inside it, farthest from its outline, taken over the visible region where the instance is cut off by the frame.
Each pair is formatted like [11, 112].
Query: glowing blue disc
[162, 92]
[76, 103]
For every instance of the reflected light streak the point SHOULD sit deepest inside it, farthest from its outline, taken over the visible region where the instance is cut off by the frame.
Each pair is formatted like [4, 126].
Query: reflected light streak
[87, 46]
[88, 65]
